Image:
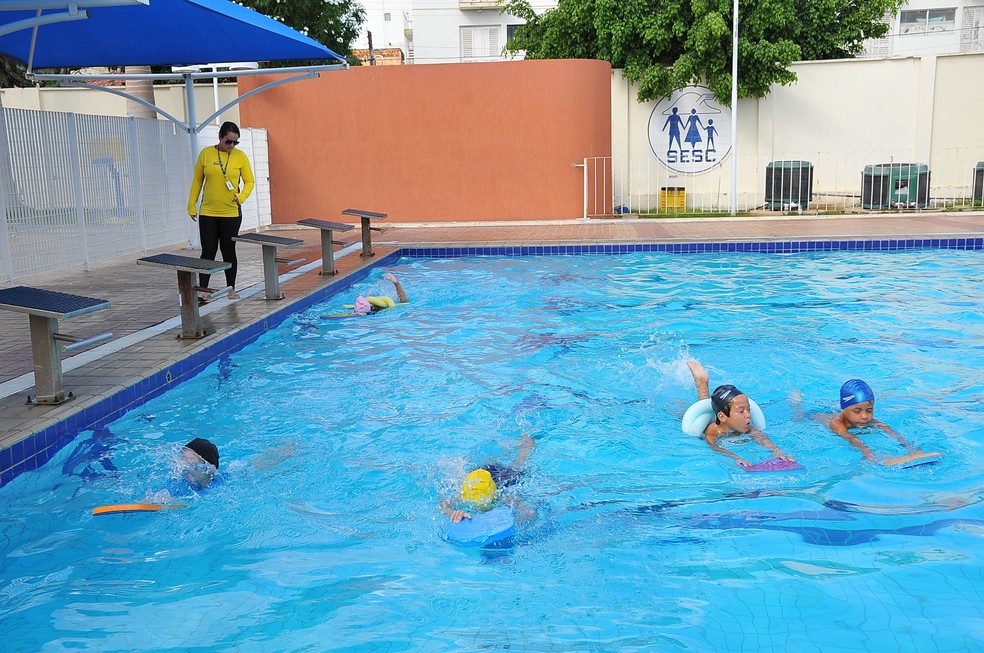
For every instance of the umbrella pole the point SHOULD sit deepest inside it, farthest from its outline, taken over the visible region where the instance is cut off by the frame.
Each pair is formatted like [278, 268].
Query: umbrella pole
[193, 238]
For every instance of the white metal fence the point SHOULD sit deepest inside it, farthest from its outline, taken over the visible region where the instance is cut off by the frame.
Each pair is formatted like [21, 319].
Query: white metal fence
[792, 181]
[76, 188]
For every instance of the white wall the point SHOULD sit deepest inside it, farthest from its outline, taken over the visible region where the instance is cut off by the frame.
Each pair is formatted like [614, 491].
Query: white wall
[437, 28]
[841, 116]
[170, 98]
[385, 33]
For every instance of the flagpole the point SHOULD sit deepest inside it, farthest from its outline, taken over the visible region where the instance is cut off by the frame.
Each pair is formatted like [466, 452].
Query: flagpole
[734, 110]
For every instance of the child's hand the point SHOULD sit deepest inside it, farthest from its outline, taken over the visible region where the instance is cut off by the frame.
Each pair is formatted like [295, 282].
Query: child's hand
[741, 462]
[389, 277]
[457, 515]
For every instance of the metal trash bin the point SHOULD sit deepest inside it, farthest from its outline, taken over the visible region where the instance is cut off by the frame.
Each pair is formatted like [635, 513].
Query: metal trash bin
[978, 194]
[895, 185]
[673, 198]
[788, 185]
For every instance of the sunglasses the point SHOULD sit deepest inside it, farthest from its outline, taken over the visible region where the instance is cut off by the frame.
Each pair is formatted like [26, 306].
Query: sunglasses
[228, 142]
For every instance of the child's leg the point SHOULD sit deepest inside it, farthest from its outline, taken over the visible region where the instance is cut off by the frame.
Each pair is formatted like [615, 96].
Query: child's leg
[701, 379]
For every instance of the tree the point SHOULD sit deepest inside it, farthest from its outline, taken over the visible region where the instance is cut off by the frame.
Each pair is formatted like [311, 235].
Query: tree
[333, 23]
[665, 45]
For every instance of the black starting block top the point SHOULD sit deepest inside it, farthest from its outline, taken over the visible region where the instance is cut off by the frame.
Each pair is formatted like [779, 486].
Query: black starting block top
[359, 213]
[324, 224]
[267, 239]
[48, 303]
[185, 263]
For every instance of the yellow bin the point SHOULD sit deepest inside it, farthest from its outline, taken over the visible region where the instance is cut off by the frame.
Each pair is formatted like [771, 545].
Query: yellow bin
[673, 198]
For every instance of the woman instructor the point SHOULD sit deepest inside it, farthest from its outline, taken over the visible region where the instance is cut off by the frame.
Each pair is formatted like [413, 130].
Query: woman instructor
[228, 180]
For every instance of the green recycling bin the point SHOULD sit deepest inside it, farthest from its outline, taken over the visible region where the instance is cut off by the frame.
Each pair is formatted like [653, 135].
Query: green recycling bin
[895, 185]
[788, 185]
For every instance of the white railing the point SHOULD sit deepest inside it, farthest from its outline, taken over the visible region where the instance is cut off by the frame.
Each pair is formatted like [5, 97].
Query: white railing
[790, 181]
[75, 189]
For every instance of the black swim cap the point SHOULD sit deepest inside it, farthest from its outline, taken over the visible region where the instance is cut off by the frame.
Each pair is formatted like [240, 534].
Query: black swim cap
[721, 398]
[208, 451]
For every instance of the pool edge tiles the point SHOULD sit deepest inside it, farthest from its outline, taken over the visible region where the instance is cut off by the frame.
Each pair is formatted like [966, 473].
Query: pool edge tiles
[38, 446]
[67, 420]
[744, 246]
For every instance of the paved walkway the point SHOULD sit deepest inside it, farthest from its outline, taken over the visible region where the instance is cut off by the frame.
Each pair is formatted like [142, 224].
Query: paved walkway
[143, 317]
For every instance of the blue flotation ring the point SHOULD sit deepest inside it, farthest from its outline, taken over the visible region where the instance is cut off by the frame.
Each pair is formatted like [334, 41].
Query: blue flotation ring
[482, 528]
[700, 414]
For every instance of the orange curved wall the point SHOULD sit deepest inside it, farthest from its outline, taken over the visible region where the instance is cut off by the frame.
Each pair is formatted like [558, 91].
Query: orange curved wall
[443, 142]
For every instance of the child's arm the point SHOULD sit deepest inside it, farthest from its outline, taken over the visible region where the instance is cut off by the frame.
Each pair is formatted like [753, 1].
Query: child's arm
[764, 440]
[837, 426]
[402, 296]
[889, 430]
[712, 441]
[526, 445]
[454, 515]
[701, 379]
[521, 512]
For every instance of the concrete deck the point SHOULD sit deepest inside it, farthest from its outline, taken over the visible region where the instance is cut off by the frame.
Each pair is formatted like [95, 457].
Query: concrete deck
[143, 317]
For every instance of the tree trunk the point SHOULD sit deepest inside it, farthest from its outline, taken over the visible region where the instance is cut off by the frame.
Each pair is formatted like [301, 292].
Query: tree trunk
[141, 88]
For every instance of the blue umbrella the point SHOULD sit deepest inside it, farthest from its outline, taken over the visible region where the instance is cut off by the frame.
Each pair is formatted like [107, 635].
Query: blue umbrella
[87, 33]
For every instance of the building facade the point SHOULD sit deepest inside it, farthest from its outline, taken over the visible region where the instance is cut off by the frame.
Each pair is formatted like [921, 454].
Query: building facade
[925, 27]
[461, 31]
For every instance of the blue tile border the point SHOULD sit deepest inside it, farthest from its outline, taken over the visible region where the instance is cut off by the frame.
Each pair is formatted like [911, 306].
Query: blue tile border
[39, 448]
[761, 247]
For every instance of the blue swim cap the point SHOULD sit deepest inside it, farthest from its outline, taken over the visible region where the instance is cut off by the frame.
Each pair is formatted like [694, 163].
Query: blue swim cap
[855, 391]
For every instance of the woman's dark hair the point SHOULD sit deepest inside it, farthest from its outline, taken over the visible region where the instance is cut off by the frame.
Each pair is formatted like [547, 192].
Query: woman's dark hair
[229, 127]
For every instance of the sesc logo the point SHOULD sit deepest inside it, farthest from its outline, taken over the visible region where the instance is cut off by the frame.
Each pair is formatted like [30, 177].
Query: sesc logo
[689, 131]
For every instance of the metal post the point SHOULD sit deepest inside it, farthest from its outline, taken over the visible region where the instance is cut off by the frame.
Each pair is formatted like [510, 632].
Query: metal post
[138, 210]
[47, 363]
[191, 319]
[194, 240]
[271, 280]
[366, 238]
[327, 252]
[76, 163]
[734, 110]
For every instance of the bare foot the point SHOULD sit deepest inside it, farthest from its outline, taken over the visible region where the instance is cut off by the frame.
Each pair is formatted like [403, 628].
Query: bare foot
[233, 294]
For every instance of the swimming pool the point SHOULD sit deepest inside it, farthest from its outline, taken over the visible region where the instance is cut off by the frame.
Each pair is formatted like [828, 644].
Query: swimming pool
[340, 436]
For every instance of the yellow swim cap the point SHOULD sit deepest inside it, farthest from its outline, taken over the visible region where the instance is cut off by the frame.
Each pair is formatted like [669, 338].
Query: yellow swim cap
[478, 488]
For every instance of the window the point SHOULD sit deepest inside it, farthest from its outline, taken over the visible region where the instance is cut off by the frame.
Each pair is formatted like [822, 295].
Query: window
[927, 20]
[972, 34]
[480, 43]
[511, 32]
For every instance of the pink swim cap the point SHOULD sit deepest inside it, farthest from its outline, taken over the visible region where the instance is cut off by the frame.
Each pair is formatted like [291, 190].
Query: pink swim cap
[362, 306]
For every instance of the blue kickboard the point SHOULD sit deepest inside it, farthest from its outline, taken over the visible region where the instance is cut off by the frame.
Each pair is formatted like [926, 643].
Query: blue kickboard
[483, 528]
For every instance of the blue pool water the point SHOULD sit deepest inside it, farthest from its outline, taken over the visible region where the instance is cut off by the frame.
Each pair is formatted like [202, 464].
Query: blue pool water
[340, 436]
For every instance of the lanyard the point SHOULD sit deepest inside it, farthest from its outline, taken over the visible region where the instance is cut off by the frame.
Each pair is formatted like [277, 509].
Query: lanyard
[218, 153]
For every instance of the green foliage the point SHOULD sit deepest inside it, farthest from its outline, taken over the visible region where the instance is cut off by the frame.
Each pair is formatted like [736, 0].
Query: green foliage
[335, 23]
[665, 45]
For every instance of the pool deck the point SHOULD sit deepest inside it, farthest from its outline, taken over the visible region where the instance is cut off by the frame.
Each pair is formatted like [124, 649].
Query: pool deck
[143, 316]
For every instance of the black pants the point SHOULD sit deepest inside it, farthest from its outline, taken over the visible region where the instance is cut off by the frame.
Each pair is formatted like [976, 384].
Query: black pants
[218, 234]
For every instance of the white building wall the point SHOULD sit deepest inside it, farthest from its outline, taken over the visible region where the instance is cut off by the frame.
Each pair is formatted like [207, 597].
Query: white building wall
[387, 20]
[932, 27]
[841, 116]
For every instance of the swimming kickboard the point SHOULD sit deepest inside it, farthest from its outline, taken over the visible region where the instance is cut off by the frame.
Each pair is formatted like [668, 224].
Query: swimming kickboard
[914, 459]
[483, 527]
[774, 465]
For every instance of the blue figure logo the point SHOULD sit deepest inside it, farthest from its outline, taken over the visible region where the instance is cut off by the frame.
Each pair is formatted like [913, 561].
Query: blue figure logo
[711, 131]
[694, 125]
[675, 122]
[686, 132]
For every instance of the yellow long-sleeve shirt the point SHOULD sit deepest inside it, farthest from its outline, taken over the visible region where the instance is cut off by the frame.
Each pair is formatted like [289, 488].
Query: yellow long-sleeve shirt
[212, 170]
